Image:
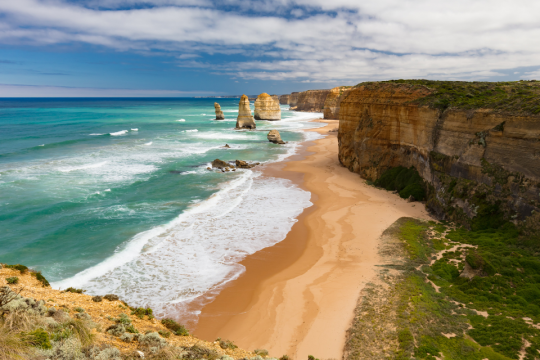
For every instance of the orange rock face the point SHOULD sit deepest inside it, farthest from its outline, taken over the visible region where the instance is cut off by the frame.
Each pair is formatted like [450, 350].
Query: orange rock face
[333, 102]
[311, 100]
[267, 108]
[498, 154]
[219, 113]
[284, 99]
[293, 100]
[244, 119]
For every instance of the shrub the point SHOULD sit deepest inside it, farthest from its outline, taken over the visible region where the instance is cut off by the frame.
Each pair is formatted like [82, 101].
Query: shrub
[116, 329]
[97, 299]
[197, 352]
[131, 329]
[152, 340]
[405, 181]
[12, 280]
[126, 337]
[22, 269]
[165, 334]
[284, 357]
[261, 352]
[226, 344]
[175, 327]
[11, 345]
[75, 291]
[41, 279]
[123, 319]
[111, 297]
[141, 312]
[79, 309]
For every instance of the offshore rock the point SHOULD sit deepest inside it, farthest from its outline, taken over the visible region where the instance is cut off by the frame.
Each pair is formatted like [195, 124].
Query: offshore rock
[312, 100]
[284, 99]
[274, 137]
[267, 108]
[333, 102]
[476, 163]
[244, 165]
[220, 164]
[244, 120]
[293, 100]
[219, 113]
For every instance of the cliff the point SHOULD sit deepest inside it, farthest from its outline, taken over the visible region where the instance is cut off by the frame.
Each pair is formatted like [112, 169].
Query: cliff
[476, 145]
[333, 102]
[267, 108]
[244, 119]
[293, 100]
[311, 100]
[284, 99]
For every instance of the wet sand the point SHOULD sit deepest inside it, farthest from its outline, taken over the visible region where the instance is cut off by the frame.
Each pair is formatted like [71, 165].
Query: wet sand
[298, 297]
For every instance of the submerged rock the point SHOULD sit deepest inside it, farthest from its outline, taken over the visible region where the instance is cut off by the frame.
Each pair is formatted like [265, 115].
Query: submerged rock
[227, 146]
[274, 137]
[267, 108]
[219, 113]
[244, 120]
[220, 164]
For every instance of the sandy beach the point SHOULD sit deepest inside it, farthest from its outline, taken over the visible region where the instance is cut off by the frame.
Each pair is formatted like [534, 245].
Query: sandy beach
[298, 297]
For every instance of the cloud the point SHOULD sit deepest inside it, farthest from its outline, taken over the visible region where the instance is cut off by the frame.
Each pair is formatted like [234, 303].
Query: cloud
[11, 90]
[324, 41]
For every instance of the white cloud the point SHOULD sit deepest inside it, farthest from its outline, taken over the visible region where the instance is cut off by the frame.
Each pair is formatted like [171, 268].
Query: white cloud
[356, 40]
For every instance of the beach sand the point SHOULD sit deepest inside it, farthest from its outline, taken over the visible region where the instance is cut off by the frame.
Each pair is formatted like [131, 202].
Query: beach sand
[298, 297]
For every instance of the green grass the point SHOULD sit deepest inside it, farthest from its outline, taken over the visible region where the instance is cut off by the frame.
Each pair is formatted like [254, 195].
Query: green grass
[175, 327]
[517, 97]
[12, 280]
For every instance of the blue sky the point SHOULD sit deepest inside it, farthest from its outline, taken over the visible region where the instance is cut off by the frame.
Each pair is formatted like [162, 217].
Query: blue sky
[205, 47]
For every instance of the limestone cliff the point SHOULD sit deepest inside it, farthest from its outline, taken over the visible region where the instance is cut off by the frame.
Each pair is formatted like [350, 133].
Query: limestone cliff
[312, 100]
[284, 99]
[219, 113]
[267, 108]
[333, 102]
[476, 161]
[244, 119]
[293, 100]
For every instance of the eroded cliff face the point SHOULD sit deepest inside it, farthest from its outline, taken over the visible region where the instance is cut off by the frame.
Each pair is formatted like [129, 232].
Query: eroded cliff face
[267, 108]
[333, 102]
[312, 100]
[293, 100]
[245, 119]
[475, 162]
[284, 99]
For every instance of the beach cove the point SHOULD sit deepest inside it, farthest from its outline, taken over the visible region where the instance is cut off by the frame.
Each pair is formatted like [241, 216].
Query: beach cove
[298, 296]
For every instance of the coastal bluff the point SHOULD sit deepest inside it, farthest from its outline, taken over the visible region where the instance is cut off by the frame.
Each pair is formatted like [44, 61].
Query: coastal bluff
[476, 145]
[245, 119]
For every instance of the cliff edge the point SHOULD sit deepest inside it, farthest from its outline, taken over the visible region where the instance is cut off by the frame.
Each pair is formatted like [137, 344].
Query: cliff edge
[476, 145]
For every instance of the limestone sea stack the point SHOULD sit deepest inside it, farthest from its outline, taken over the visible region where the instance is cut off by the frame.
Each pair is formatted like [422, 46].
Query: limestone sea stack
[267, 108]
[274, 137]
[244, 120]
[219, 113]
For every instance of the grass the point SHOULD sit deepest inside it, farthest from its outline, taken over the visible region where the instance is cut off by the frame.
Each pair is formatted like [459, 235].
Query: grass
[175, 327]
[226, 344]
[73, 290]
[517, 97]
[12, 280]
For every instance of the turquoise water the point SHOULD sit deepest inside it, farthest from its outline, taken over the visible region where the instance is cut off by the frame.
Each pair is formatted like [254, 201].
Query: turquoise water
[113, 195]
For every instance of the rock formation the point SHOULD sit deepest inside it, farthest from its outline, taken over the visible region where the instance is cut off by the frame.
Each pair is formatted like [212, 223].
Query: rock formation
[312, 100]
[244, 120]
[276, 98]
[284, 99]
[244, 165]
[333, 101]
[274, 137]
[219, 113]
[266, 108]
[293, 100]
[477, 163]
[220, 164]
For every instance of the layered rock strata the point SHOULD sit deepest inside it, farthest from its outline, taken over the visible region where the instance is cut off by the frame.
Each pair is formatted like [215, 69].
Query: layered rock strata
[219, 113]
[244, 119]
[293, 100]
[274, 137]
[284, 99]
[267, 108]
[333, 102]
[476, 163]
[312, 100]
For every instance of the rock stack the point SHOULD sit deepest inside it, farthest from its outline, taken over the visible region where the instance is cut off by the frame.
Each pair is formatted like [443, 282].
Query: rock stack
[274, 137]
[219, 113]
[267, 108]
[244, 120]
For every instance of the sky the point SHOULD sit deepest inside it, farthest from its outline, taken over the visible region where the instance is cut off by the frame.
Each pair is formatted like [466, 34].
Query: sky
[229, 47]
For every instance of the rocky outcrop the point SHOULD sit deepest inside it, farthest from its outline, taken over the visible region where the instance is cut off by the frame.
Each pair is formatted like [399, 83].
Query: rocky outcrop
[312, 100]
[276, 98]
[284, 99]
[219, 113]
[245, 165]
[220, 164]
[267, 108]
[333, 102]
[479, 165]
[274, 137]
[293, 100]
[244, 120]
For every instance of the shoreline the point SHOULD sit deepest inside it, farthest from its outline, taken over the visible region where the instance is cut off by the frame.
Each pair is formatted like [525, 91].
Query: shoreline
[298, 296]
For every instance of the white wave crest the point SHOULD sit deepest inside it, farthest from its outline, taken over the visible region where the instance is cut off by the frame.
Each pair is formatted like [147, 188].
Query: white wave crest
[118, 133]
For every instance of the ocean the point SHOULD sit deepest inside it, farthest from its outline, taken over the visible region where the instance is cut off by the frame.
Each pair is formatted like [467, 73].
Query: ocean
[113, 195]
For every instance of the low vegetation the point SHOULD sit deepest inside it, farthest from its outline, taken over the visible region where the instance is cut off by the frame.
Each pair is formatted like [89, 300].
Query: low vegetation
[407, 182]
[451, 293]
